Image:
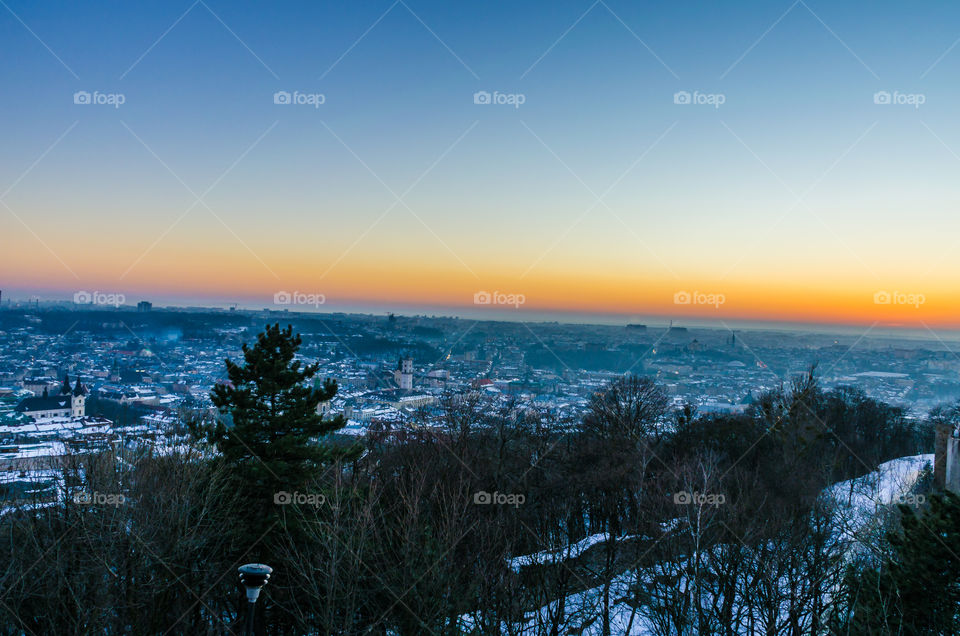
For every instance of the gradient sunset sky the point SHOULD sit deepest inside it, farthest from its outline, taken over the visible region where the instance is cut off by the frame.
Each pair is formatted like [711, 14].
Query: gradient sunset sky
[799, 198]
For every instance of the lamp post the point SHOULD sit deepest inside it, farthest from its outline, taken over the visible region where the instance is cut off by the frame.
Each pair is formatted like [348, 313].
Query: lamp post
[253, 576]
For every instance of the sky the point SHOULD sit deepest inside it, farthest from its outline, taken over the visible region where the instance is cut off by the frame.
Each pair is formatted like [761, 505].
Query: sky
[769, 161]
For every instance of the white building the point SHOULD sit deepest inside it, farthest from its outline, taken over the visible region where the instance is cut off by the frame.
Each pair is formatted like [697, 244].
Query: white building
[67, 403]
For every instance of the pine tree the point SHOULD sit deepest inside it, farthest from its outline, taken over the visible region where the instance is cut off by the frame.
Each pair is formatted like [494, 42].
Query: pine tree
[926, 571]
[269, 429]
[917, 589]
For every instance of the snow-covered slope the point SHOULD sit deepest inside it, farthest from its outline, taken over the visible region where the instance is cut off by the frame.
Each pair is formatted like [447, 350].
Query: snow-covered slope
[860, 505]
[863, 504]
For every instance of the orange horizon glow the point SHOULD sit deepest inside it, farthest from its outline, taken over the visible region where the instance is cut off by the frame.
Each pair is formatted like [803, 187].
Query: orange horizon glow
[840, 302]
[590, 273]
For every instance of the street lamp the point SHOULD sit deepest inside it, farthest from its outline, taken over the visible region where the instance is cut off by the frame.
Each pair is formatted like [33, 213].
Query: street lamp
[253, 576]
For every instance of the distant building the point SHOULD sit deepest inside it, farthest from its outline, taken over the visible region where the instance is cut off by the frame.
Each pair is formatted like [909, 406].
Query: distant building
[40, 384]
[323, 408]
[68, 402]
[438, 377]
[144, 305]
[403, 376]
[399, 398]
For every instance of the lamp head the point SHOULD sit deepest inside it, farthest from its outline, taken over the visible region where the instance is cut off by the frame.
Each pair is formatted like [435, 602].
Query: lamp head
[253, 576]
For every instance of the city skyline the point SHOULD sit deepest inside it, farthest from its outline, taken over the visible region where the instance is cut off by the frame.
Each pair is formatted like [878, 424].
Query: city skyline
[796, 162]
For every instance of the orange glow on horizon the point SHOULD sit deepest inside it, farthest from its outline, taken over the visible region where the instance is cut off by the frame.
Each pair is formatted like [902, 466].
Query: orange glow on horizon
[385, 274]
[229, 275]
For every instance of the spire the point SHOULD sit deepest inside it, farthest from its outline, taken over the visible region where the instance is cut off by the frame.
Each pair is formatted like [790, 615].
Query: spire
[66, 383]
[79, 389]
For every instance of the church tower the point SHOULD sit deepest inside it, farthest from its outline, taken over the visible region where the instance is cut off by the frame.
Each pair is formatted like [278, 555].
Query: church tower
[79, 399]
[403, 376]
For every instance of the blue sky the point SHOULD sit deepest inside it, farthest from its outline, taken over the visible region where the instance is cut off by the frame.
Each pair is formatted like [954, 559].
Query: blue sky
[501, 196]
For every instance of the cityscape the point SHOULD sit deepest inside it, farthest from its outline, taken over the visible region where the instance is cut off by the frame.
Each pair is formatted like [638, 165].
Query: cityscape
[84, 376]
[423, 318]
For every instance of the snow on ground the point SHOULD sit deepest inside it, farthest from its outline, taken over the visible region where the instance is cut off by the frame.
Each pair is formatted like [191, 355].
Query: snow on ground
[863, 504]
[860, 503]
[582, 612]
[892, 480]
[353, 427]
[571, 551]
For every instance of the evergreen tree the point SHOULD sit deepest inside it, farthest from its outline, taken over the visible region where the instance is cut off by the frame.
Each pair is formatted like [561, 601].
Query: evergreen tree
[269, 430]
[917, 589]
[272, 437]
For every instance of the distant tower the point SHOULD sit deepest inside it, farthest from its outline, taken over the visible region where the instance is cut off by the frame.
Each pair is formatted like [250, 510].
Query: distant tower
[144, 305]
[79, 399]
[403, 376]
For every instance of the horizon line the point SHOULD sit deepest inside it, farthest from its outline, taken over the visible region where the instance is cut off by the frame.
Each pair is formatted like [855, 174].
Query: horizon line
[573, 318]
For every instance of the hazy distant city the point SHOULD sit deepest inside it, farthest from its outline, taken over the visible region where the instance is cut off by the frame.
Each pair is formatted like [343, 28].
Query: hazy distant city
[144, 367]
